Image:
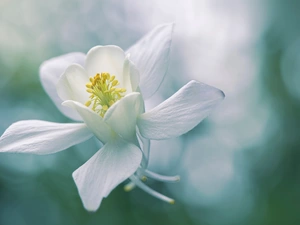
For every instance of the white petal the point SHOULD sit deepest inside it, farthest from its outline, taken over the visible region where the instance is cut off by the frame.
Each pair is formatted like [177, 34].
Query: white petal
[181, 112]
[94, 122]
[145, 146]
[71, 85]
[42, 137]
[151, 56]
[131, 76]
[110, 166]
[122, 115]
[50, 72]
[109, 59]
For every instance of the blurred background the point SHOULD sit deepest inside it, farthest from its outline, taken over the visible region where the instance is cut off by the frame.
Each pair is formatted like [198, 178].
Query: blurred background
[239, 166]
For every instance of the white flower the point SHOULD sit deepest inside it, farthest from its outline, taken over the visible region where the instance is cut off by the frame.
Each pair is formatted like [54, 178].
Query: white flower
[105, 91]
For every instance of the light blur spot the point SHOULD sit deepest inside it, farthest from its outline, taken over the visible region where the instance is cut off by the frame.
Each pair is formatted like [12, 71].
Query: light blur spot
[208, 165]
[165, 156]
[212, 180]
[290, 69]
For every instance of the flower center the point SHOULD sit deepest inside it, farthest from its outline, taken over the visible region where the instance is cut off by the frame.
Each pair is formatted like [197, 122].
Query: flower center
[103, 92]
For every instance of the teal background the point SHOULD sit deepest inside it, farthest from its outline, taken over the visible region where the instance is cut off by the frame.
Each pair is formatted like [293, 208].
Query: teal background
[239, 166]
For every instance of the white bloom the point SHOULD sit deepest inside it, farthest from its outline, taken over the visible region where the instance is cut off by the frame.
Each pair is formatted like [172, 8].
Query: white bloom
[105, 91]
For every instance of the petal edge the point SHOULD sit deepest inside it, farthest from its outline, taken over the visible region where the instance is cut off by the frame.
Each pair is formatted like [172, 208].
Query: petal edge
[111, 165]
[50, 72]
[42, 137]
[181, 112]
[151, 57]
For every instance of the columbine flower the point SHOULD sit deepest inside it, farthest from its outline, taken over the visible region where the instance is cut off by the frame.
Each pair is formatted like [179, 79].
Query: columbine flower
[105, 91]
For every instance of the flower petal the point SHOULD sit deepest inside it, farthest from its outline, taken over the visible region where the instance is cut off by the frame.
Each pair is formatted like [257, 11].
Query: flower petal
[107, 59]
[181, 112]
[71, 85]
[151, 56]
[122, 116]
[50, 72]
[42, 137]
[111, 165]
[145, 146]
[131, 76]
[94, 122]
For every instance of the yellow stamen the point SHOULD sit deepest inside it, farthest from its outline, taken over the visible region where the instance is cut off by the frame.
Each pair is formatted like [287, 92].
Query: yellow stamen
[89, 85]
[88, 103]
[105, 107]
[172, 202]
[103, 92]
[128, 187]
[115, 82]
[111, 102]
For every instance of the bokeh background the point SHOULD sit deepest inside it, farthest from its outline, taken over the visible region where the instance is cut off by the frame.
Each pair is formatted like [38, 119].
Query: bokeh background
[239, 166]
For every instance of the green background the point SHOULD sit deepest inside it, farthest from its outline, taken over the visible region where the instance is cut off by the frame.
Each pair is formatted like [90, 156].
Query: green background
[239, 166]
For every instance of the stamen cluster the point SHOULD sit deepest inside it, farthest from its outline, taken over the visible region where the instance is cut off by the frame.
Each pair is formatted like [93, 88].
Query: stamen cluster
[103, 92]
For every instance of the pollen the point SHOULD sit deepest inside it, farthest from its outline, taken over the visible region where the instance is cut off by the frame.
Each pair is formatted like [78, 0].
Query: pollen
[104, 92]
